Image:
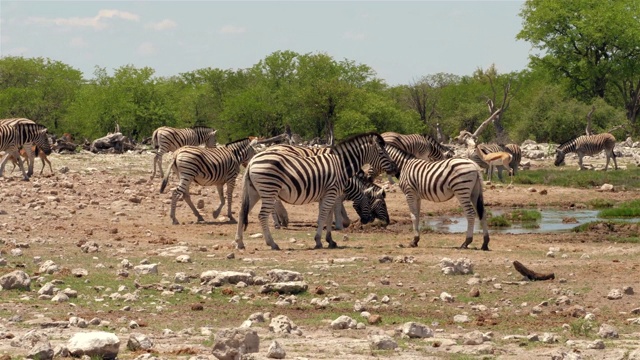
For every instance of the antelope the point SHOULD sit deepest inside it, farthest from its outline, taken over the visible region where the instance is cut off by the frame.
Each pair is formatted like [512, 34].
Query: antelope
[495, 159]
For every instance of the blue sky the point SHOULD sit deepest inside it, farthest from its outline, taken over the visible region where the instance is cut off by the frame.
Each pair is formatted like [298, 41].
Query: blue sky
[401, 41]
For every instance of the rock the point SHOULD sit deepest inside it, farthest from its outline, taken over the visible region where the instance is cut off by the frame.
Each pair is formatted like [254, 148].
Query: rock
[146, 269]
[474, 292]
[41, 351]
[415, 330]
[461, 319]
[183, 259]
[275, 351]
[60, 297]
[343, 322]
[229, 277]
[382, 342]
[607, 331]
[48, 267]
[374, 319]
[79, 272]
[15, 280]
[291, 287]
[446, 297]
[94, 344]
[614, 294]
[89, 247]
[278, 275]
[627, 290]
[282, 324]
[462, 266]
[139, 341]
[606, 188]
[231, 344]
[473, 338]
[596, 344]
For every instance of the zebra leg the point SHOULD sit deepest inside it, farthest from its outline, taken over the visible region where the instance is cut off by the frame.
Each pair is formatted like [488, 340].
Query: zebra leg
[580, 162]
[157, 162]
[16, 154]
[345, 217]
[280, 215]
[414, 207]
[339, 212]
[250, 198]
[216, 212]
[325, 215]
[231, 184]
[500, 168]
[5, 158]
[30, 158]
[470, 212]
[615, 162]
[268, 202]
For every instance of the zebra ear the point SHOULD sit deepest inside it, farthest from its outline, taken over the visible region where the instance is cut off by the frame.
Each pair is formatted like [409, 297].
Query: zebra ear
[254, 141]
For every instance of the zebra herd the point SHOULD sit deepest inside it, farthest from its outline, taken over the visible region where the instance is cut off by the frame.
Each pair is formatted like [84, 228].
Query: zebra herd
[425, 169]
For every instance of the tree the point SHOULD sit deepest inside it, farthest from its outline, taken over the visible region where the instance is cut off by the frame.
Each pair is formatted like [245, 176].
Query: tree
[593, 43]
[37, 88]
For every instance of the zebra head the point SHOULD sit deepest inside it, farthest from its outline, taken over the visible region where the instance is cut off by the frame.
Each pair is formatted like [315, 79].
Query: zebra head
[364, 149]
[382, 160]
[37, 134]
[355, 190]
[377, 196]
[435, 151]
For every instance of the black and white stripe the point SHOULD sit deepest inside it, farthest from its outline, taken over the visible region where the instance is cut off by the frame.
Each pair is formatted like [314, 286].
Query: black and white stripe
[207, 167]
[513, 149]
[301, 180]
[439, 181]
[14, 136]
[588, 145]
[368, 198]
[27, 147]
[167, 139]
[421, 146]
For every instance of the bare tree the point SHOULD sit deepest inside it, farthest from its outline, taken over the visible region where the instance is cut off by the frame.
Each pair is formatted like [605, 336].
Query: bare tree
[588, 129]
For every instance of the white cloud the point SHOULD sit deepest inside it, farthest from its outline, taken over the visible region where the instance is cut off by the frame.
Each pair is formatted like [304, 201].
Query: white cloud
[162, 25]
[146, 48]
[96, 22]
[77, 42]
[354, 36]
[231, 29]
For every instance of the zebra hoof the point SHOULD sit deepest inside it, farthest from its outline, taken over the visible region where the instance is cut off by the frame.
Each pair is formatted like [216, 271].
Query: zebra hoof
[318, 246]
[333, 245]
[485, 248]
[200, 219]
[239, 246]
[414, 243]
[275, 247]
[175, 222]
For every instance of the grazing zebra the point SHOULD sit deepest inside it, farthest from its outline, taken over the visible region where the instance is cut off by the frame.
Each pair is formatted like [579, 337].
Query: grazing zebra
[12, 137]
[167, 139]
[301, 180]
[439, 181]
[588, 145]
[206, 167]
[26, 147]
[37, 152]
[353, 191]
[513, 149]
[357, 187]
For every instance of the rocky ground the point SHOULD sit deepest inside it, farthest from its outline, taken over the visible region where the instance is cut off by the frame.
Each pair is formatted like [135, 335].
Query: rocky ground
[97, 244]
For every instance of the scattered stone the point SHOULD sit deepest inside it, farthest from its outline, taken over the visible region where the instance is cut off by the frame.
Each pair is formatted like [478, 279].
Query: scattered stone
[291, 287]
[473, 338]
[146, 269]
[462, 266]
[94, 344]
[48, 267]
[374, 319]
[415, 330]
[15, 280]
[596, 344]
[89, 247]
[607, 331]
[183, 259]
[446, 297]
[627, 290]
[232, 344]
[275, 351]
[382, 342]
[282, 324]
[474, 292]
[343, 322]
[461, 319]
[139, 341]
[614, 294]
[606, 188]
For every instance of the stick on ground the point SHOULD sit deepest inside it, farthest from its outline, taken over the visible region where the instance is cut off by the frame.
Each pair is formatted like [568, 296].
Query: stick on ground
[530, 274]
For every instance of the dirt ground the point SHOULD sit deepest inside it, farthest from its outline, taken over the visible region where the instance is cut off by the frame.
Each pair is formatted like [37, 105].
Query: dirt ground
[107, 199]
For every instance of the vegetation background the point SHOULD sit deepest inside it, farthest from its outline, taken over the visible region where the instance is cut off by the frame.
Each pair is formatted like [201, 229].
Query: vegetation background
[586, 56]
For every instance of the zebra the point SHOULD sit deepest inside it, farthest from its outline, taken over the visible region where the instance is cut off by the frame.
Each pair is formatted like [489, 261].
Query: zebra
[36, 151]
[421, 146]
[12, 137]
[301, 180]
[26, 147]
[353, 191]
[167, 139]
[588, 145]
[439, 181]
[513, 149]
[357, 187]
[206, 167]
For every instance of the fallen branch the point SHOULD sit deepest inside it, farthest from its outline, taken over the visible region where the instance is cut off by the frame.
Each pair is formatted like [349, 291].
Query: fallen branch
[530, 274]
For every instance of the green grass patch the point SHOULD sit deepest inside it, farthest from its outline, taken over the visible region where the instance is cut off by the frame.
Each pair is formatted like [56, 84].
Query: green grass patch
[570, 177]
[599, 203]
[627, 209]
[499, 221]
[583, 328]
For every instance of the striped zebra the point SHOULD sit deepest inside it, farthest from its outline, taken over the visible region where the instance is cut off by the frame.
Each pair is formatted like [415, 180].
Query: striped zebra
[588, 145]
[513, 149]
[439, 181]
[421, 146]
[167, 139]
[359, 188]
[13, 137]
[26, 147]
[207, 167]
[301, 180]
[356, 187]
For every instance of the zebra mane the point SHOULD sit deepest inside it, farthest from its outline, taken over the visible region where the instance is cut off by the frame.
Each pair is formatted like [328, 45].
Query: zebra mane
[567, 143]
[363, 135]
[239, 141]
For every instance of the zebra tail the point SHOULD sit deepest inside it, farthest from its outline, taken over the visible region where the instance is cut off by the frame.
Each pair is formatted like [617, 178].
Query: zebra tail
[480, 200]
[244, 207]
[165, 181]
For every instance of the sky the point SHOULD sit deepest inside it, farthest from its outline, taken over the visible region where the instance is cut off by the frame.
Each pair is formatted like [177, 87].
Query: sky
[400, 41]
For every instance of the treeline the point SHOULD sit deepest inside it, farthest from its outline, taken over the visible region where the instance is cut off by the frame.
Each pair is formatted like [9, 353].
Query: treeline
[308, 92]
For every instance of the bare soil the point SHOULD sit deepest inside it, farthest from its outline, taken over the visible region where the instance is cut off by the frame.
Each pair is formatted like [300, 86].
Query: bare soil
[107, 199]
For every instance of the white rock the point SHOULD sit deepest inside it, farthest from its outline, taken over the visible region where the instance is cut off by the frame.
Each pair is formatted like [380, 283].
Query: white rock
[94, 344]
[275, 351]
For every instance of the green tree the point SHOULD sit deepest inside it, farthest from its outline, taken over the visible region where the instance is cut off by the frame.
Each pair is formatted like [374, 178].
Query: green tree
[37, 88]
[595, 44]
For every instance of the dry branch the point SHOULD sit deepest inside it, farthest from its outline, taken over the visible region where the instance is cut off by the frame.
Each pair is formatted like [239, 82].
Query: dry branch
[530, 274]
[588, 129]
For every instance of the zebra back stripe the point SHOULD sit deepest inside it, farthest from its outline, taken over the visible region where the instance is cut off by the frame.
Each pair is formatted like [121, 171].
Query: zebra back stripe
[421, 146]
[166, 139]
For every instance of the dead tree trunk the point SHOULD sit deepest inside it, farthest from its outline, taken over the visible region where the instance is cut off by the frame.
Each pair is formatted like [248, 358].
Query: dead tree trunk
[588, 129]
[532, 275]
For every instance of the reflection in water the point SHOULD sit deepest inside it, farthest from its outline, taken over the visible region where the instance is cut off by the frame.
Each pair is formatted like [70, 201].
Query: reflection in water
[552, 221]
